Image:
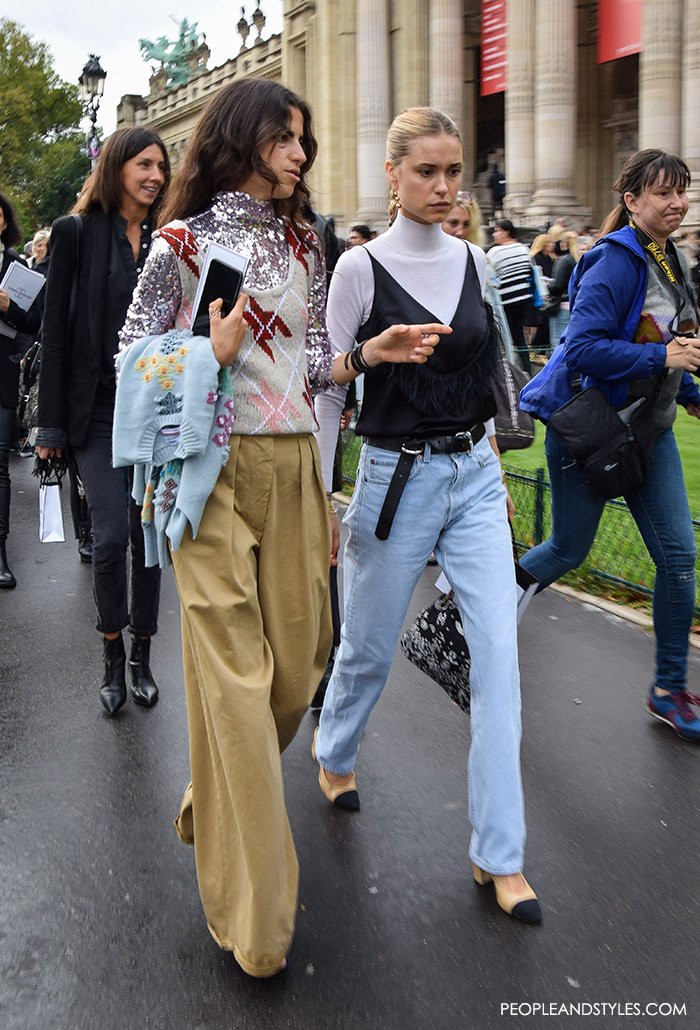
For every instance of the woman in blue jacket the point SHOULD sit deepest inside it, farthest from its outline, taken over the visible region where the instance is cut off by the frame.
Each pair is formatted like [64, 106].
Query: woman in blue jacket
[630, 303]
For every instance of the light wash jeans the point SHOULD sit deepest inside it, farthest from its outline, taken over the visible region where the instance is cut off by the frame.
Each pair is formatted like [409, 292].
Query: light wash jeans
[455, 505]
[660, 509]
[557, 324]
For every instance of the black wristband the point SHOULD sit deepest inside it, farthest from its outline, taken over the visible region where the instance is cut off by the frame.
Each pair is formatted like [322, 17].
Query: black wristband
[357, 360]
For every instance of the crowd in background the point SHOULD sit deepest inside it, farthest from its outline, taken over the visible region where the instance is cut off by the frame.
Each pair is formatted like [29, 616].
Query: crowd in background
[542, 329]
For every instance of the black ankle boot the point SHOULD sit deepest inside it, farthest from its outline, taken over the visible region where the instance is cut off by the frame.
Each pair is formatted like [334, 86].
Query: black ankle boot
[143, 688]
[85, 542]
[113, 689]
[7, 580]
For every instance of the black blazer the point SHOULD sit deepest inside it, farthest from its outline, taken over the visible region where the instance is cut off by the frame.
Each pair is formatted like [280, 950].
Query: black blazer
[71, 361]
[27, 324]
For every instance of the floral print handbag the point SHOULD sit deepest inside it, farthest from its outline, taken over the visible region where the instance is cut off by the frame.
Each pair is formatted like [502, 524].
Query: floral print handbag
[435, 644]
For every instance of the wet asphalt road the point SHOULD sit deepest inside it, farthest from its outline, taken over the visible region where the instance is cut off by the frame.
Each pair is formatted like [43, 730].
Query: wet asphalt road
[100, 920]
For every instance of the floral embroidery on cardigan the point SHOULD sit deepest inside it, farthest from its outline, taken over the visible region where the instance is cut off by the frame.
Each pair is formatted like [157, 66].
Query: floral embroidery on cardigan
[164, 365]
[225, 421]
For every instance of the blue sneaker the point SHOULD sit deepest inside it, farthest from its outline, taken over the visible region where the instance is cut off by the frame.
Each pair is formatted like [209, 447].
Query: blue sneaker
[674, 709]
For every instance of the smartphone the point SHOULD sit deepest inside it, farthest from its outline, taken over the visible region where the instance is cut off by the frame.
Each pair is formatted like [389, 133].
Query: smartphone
[223, 281]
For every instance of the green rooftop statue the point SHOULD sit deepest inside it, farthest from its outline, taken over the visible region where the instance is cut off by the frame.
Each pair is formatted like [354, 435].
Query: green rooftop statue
[175, 56]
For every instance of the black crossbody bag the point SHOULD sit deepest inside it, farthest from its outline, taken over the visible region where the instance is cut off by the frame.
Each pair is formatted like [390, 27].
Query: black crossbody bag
[613, 448]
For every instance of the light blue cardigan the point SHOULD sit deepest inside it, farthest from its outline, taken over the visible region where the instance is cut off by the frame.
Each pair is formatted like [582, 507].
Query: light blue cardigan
[172, 420]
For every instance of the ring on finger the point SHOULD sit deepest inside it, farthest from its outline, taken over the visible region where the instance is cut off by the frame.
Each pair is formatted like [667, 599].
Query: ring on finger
[214, 313]
[425, 337]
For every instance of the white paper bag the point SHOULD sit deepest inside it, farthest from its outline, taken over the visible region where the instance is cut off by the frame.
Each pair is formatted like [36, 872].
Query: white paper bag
[50, 515]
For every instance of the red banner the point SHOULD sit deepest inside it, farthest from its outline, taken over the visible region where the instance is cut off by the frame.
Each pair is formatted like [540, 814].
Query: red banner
[493, 46]
[619, 29]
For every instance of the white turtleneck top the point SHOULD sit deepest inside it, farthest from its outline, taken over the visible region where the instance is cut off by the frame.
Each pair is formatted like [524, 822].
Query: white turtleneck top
[427, 262]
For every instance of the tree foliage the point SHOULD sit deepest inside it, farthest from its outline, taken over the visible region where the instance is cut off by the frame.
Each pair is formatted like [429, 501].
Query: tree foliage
[42, 160]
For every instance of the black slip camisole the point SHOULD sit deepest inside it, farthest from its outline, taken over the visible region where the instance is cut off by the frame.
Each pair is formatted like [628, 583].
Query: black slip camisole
[450, 392]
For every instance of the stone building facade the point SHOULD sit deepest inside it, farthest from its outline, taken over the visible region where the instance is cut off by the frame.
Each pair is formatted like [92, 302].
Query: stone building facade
[561, 129]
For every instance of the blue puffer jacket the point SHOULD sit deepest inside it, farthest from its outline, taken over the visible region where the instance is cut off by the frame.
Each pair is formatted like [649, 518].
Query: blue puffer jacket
[607, 292]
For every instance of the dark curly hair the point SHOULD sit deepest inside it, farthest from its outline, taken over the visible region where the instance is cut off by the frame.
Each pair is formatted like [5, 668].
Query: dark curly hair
[12, 233]
[225, 148]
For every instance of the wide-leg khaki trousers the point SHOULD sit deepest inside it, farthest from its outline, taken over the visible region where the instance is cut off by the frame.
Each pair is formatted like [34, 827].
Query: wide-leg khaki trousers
[256, 634]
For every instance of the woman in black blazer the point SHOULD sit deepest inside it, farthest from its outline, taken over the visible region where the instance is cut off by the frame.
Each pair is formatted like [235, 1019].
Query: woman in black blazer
[96, 258]
[26, 323]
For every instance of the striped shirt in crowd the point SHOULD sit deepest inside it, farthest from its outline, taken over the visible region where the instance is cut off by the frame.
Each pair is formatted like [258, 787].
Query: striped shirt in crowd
[511, 264]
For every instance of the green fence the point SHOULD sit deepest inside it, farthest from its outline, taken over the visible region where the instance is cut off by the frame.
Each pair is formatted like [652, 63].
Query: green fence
[618, 565]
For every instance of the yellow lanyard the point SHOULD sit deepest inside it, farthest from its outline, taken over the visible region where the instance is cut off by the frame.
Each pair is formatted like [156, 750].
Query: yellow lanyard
[679, 286]
[655, 250]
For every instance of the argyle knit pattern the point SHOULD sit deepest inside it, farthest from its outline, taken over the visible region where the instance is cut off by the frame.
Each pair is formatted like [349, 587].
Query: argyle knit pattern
[269, 379]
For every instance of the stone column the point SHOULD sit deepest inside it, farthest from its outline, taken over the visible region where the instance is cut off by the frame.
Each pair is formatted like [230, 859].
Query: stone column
[294, 39]
[555, 113]
[335, 122]
[469, 116]
[660, 70]
[519, 104]
[409, 54]
[446, 37]
[373, 111]
[690, 138]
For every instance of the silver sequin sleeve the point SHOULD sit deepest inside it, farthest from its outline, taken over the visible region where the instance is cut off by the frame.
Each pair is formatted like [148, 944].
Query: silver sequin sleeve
[157, 297]
[318, 345]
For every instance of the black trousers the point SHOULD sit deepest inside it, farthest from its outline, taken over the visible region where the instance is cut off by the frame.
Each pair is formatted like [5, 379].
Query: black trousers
[7, 429]
[515, 315]
[117, 536]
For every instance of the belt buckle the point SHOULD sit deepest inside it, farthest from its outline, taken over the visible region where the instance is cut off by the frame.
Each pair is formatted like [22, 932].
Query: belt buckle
[405, 449]
[466, 435]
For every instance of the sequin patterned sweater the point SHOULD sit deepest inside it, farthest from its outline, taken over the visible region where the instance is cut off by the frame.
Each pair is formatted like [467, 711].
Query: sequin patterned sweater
[285, 355]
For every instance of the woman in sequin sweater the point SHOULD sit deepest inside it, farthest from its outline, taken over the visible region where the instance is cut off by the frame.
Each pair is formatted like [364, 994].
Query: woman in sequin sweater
[253, 583]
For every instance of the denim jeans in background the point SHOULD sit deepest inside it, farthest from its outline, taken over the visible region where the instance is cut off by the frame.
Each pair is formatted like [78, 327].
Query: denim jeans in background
[116, 528]
[455, 505]
[660, 509]
[557, 324]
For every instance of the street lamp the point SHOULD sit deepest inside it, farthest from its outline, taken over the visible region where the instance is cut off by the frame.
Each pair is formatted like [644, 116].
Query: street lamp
[92, 87]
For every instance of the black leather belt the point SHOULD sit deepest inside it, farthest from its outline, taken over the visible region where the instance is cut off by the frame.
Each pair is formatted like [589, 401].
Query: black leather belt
[409, 450]
[457, 444]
